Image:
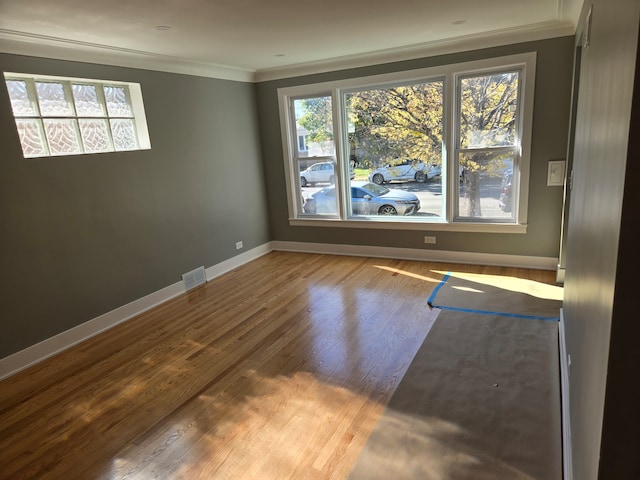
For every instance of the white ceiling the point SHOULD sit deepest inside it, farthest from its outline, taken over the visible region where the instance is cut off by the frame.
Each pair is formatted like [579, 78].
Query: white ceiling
[261, 39]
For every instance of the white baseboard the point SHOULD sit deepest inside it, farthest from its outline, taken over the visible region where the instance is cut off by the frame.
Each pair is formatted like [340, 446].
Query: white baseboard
[237, 261]
[56, 344]
[64, 340]
[518, 261]
[567, 462]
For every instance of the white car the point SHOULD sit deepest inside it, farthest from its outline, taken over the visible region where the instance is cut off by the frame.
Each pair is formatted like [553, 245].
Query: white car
[406, 170]
[321, 172]
[433, 170]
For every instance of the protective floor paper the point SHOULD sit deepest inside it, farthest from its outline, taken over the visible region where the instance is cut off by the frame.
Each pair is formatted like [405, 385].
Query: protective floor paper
[481, 399]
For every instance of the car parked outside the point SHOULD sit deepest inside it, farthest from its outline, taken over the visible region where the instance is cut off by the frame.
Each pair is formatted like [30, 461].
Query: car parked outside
[434, 170]
[321, 172]
[403, 171]
[367, 198]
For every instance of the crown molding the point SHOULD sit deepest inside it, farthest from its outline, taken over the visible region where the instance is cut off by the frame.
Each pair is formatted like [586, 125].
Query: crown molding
[497, 38]
[21, 43]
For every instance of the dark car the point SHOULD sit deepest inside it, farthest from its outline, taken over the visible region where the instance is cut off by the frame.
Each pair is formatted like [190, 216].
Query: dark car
[367, 198]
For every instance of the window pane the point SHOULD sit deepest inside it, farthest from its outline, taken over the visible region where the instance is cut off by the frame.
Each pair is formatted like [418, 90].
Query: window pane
[302, 143]
[21, 104]
[321, 201]
[124, 134]
[95, 135]
[31, 137]
[488, 110]
[53, 101]
[86, 101]
[314, 122]
[396, 138]
[117, 101]
[482, 191]
[62, 136]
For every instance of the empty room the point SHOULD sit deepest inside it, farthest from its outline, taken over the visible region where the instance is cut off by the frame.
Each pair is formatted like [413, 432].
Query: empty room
[273, 240]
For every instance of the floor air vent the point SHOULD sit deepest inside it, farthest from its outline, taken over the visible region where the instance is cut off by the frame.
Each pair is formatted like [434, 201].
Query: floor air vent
[194, 278]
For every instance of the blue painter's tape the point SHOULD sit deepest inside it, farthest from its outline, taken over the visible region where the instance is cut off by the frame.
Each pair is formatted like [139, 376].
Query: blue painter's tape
[432, 297]
[435, 291]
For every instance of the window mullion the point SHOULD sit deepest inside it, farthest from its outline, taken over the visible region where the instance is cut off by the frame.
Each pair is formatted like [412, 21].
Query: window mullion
[68, 92]
[103, 101]
[450, 131]
[340, 133]
[33, 95]
[76, 124]
[35, 101]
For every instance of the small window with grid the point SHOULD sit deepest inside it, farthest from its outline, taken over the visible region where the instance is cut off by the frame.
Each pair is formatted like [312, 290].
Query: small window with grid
[62, 116]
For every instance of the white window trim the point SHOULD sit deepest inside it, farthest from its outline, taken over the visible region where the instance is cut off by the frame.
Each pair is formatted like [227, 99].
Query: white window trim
[135, 97]
[526, 61]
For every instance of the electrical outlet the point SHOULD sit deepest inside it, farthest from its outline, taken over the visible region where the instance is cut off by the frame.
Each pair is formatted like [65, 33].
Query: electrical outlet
[238, 245]
[429, 239]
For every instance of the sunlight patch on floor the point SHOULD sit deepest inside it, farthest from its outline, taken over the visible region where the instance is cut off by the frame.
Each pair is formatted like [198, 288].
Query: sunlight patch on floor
[408, 274]
[519, 285]
[468, 289]
[262, 435]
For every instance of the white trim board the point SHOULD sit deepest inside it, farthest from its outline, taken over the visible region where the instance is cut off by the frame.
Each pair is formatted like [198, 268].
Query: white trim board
[517, 261]
[51, 346]
[47, 348]
[64, 340]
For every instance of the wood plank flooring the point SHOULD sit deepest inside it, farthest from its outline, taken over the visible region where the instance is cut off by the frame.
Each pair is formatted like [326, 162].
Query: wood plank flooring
[278, 369]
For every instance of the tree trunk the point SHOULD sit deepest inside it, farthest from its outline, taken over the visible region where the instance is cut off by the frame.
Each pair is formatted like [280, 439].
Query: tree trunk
[472, 187]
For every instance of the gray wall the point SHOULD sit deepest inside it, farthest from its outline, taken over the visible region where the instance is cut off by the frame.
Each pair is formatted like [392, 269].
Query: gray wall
[601, 316]
[551, 123]
[82, 235]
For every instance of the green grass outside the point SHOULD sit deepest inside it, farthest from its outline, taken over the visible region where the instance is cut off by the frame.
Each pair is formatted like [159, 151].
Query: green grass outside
[361, 173]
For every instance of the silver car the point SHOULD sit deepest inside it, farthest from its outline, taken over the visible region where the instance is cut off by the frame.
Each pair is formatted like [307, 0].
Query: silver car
[321, 172]
[367, 198]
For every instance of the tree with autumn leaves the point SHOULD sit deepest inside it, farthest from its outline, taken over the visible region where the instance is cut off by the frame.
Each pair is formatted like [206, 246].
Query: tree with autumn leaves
[393, 124]
[389, 125]
[488, 128]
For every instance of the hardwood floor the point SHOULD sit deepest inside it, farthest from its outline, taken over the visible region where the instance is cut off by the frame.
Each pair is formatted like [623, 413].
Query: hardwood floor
[278, 369]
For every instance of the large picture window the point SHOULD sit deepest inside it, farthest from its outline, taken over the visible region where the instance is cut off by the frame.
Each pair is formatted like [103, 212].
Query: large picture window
[445, 146]
[61, 116]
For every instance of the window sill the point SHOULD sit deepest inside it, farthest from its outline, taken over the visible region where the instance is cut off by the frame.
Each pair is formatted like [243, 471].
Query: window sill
[410, 224]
